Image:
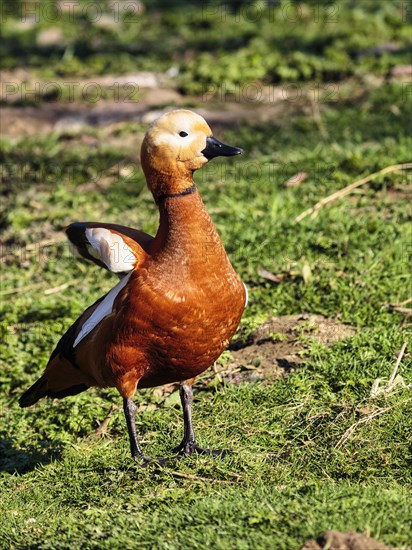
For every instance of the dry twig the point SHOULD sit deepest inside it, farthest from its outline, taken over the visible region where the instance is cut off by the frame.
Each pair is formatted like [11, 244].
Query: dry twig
[56, 289]
[313, 211]
[404, 303]
[398, 362]
[58, 239]
[102, 428]
[296, 180]
[352, 428]
[407, 311]
[19, 289]
[270, 276]
[393, 379]
[392, 382]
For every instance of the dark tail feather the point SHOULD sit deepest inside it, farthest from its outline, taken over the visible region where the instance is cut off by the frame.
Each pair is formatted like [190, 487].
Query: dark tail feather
[34, 393]
[39, 390]
[73, 390]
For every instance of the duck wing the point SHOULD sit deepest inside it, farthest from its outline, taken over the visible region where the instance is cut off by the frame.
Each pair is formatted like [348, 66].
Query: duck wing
[117, 248]
[64, 375]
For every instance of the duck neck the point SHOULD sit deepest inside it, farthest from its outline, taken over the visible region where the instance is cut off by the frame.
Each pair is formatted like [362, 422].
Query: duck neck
[184, 222]
[163, 184]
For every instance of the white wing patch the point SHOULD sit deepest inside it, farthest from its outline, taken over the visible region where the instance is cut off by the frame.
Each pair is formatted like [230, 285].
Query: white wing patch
[103, 310]
[111, 249]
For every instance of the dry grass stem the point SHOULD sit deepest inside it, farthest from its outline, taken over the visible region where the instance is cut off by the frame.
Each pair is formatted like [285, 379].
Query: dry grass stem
[352, 428]
[19, 289]
[393, 379]
[314, 210]
[102, 428]
[398, 362]
[56, 289]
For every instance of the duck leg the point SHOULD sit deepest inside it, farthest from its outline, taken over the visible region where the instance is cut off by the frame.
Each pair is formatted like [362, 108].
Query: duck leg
[129, 408]
[188, 444]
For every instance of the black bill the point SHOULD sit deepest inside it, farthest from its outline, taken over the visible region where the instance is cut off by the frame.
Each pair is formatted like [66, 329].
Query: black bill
[215, 148]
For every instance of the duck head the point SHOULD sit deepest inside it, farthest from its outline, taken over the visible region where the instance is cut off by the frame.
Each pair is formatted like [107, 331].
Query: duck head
[175, 145]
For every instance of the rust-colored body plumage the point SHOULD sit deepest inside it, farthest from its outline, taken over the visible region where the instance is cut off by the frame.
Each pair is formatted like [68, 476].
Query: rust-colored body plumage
[177, 313]
[182, 300]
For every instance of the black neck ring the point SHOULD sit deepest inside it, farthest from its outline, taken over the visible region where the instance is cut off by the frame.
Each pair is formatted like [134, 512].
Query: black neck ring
[187, 191]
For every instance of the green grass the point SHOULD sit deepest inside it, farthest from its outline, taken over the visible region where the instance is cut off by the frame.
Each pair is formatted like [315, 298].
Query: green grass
[289, 477]
[217, 47]
[312, 451]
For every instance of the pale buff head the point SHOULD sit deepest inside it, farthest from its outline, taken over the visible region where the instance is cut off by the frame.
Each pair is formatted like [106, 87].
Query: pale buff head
[175, 145]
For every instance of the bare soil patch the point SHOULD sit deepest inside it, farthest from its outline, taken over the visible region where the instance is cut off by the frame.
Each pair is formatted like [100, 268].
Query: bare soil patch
[156, 94]
[47, 117]
[334, 540]
[280, 345]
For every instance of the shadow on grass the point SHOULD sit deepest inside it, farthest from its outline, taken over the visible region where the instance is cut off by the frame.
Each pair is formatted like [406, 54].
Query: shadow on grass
[14, 460]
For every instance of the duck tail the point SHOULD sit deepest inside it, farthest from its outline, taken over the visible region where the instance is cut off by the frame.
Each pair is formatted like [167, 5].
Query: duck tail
[34, 393]
[41, 389]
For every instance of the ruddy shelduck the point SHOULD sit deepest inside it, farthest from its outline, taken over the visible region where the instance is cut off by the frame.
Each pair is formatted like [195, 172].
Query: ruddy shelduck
[178, 301]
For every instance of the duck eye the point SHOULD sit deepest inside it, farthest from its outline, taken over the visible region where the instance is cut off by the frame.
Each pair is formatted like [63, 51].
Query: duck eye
[183, 134]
